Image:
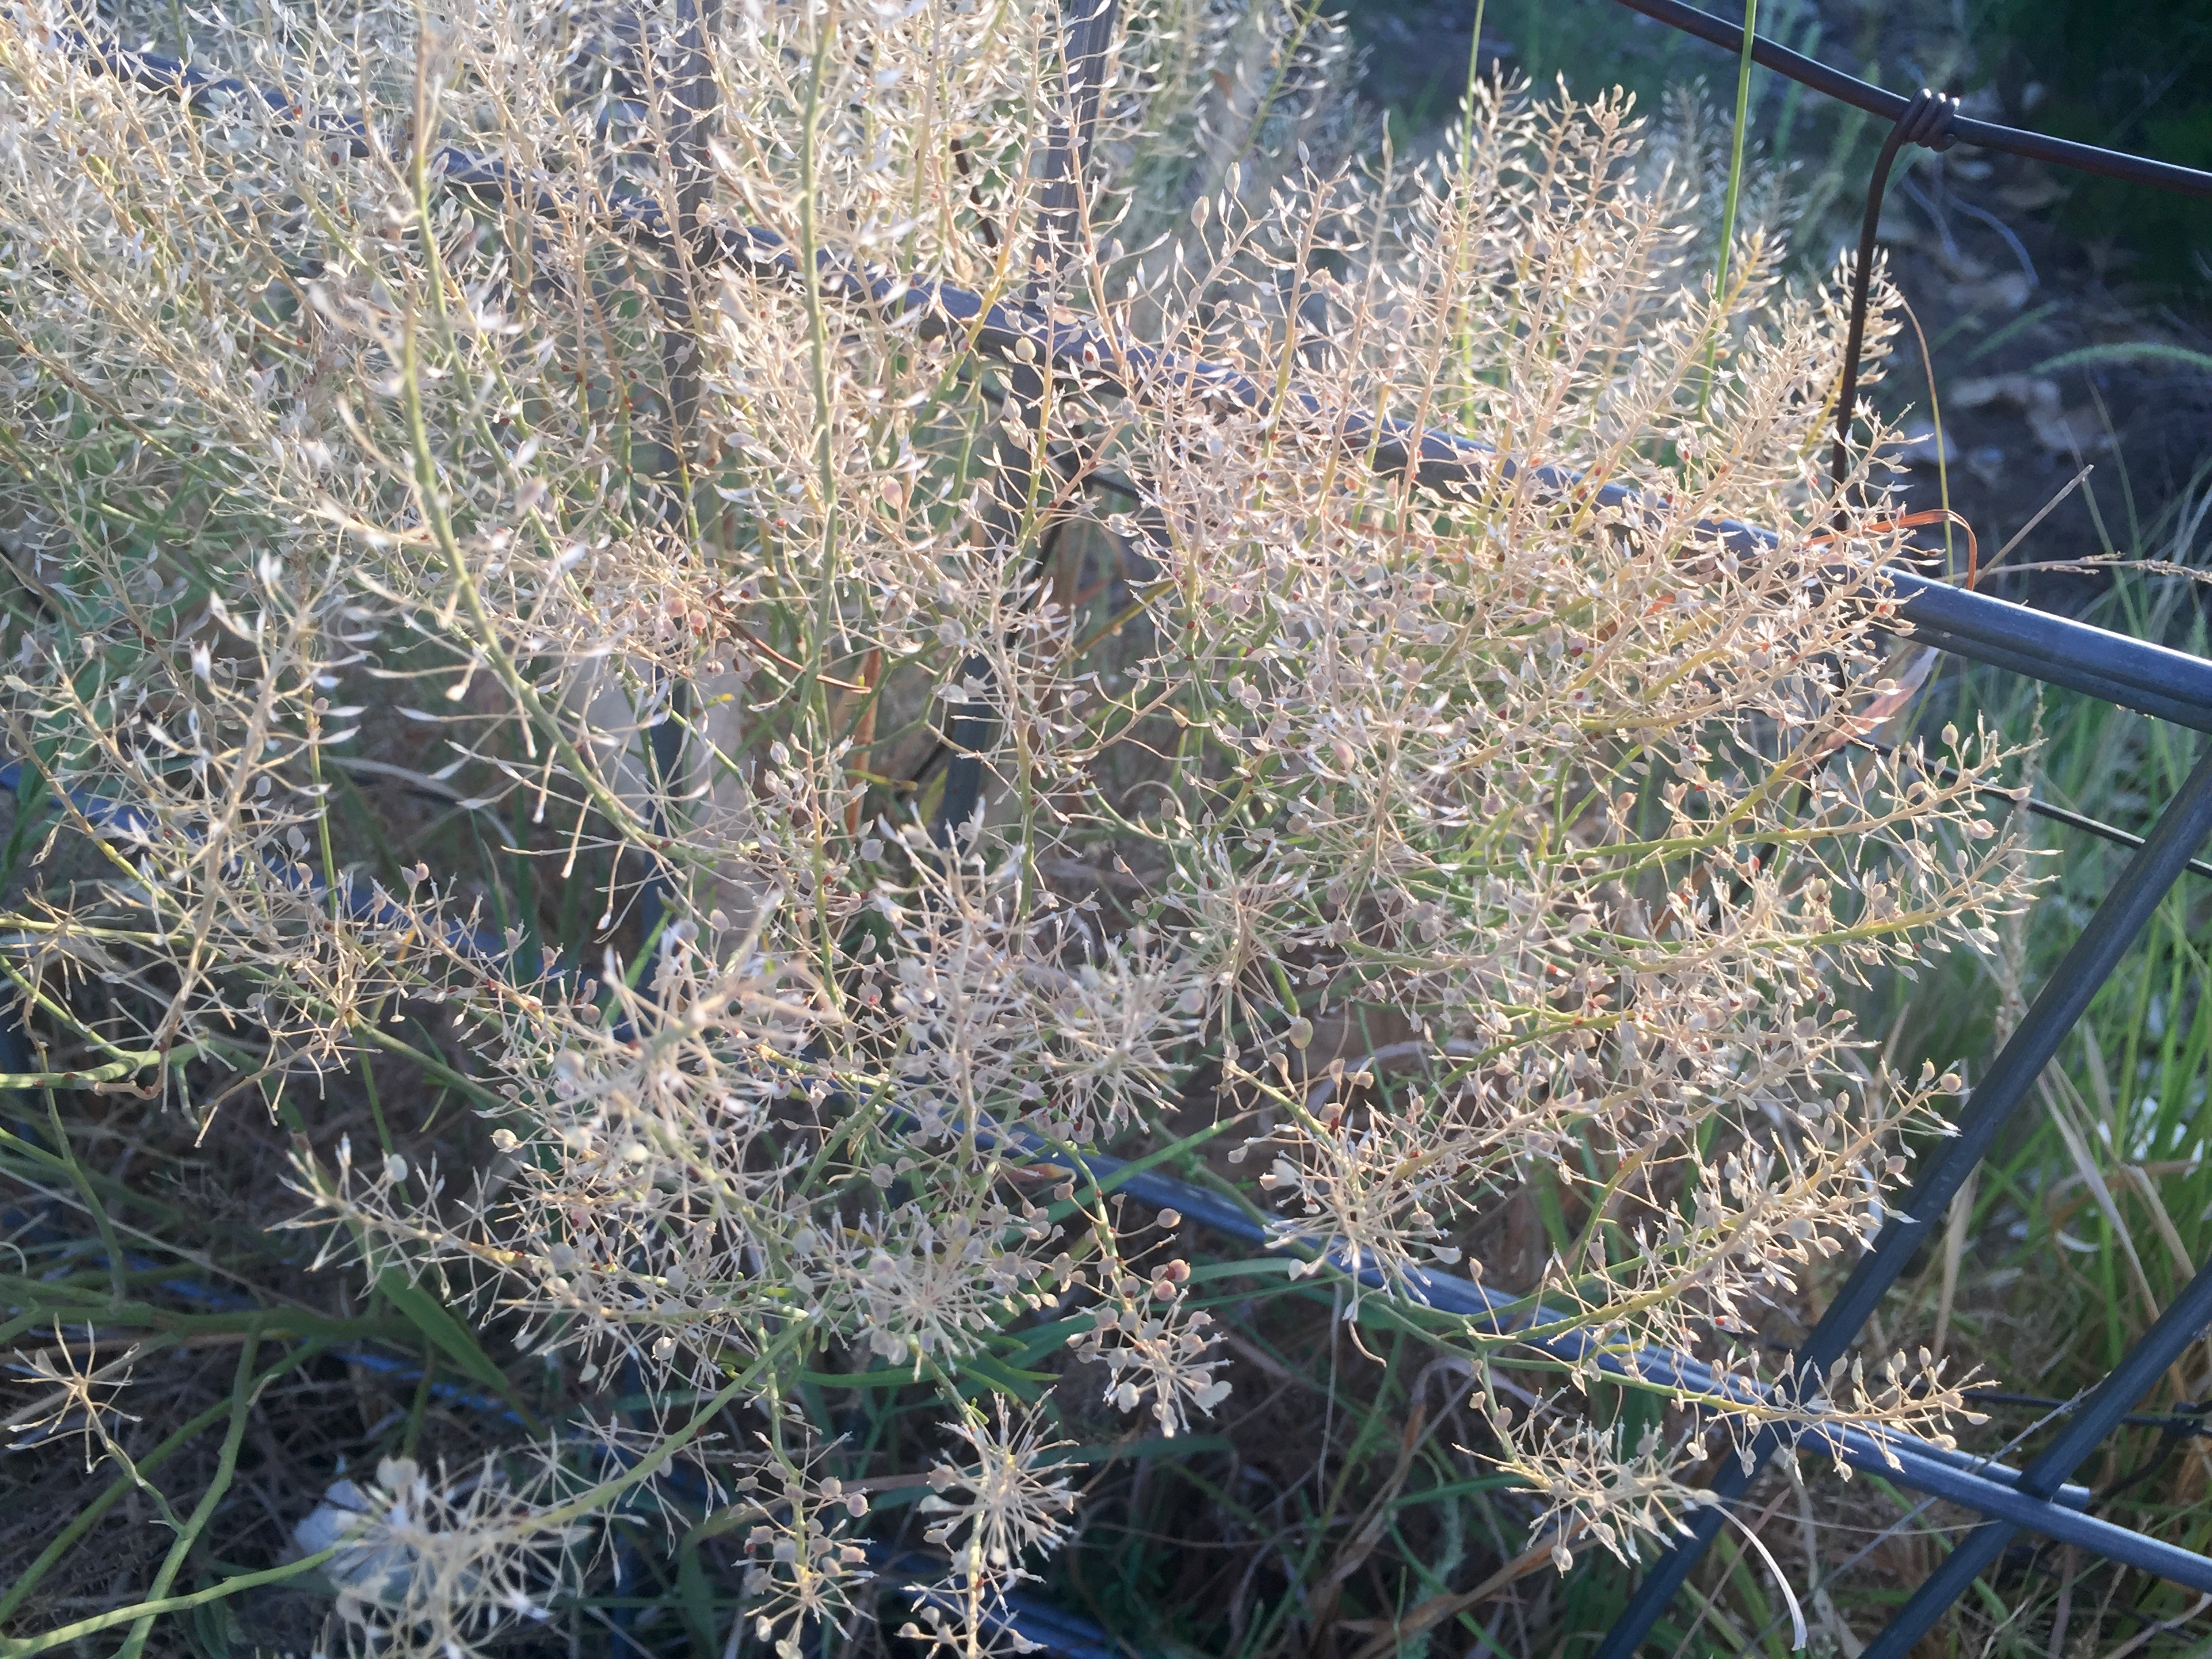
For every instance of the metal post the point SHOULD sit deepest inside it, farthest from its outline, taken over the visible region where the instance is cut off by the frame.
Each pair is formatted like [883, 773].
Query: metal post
[2180, 830]
[1925, 120]
[2176, 1328]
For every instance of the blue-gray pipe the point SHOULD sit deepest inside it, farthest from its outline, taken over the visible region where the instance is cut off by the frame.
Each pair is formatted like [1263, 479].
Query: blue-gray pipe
[2178, 1327]
[2181, 828]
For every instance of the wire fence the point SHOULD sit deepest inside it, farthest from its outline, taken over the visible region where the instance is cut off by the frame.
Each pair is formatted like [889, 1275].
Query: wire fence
[1032, 343]
[1930, 120]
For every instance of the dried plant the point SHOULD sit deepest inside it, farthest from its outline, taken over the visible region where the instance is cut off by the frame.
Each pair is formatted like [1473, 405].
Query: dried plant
[438, 1567]
[1009, 1507]
[963, 763]
[70, 1393]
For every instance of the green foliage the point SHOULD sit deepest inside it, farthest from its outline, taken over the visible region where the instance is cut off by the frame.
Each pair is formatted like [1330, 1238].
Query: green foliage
[2096, 1207]
[2124, 73]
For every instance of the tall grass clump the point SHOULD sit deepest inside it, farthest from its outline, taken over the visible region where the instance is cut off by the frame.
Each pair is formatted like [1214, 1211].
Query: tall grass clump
[863, 772]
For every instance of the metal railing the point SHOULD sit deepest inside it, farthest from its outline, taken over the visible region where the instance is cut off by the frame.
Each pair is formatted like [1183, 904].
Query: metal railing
[1032, 343]
[2179, 694]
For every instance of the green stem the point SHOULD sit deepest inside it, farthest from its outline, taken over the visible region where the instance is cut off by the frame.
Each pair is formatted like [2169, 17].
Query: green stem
[1735, 185]
[241, 1407]
[27, 1646]
[84, 1190]
[113, 1071]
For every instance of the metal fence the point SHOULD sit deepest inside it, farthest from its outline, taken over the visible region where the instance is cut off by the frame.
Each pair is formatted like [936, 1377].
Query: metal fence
[2179, 691]
[1032, 343]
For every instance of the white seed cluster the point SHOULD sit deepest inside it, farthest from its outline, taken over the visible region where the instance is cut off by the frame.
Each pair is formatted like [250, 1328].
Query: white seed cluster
[1436, 841]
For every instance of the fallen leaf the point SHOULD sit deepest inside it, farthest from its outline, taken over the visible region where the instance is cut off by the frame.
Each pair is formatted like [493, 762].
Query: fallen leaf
[2006, 291]
[2031, 188]
[2071, 431]
[2061, 430]
[2028, 392]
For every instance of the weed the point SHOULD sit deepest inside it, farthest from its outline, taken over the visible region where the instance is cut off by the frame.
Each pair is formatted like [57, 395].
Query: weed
[862, 772]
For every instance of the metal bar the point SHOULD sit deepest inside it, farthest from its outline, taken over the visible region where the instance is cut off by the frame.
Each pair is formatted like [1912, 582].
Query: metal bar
[2171, 684]
[2138, 1374]
[1957, 1477]
[1811, 72]
[1912, 1462]
[1451, 1294]
[2013, 1509]
[1926, 120]
[2180, 829]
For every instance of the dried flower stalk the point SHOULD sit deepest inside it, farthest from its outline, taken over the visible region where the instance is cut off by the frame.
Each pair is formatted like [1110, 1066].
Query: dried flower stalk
[311, 455]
